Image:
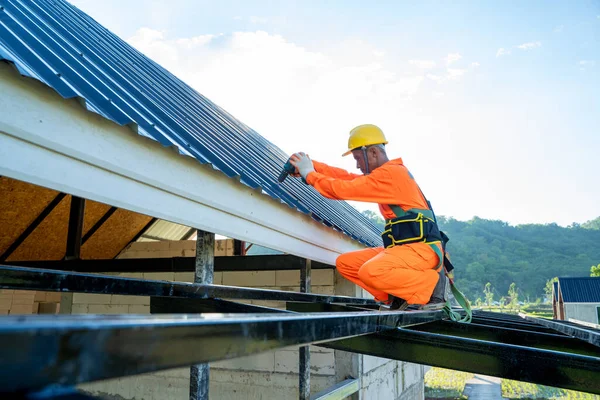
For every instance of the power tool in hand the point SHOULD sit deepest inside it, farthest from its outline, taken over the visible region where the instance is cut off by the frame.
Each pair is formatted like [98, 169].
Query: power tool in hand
[288, 168]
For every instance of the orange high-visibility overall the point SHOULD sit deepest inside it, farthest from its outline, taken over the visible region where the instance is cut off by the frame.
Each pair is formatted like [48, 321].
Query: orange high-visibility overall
[409, 271]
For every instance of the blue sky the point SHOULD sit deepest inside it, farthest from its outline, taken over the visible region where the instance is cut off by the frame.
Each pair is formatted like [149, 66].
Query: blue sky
[494, 106]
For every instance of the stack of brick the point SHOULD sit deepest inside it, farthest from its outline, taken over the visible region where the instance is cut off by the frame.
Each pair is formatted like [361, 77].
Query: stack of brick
[29, 302]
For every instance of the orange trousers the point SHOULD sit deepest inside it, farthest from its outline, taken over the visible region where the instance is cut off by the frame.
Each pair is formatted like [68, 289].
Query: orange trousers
[407, 271]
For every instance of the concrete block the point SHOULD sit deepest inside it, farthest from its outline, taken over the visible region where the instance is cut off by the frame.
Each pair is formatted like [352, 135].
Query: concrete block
[320, 363]
[287, 278]
[257, 362]
[182, 245]
[269, 303]
[329, 290]
[7, 291]
[79, 309]
[249, 279]
[19, 292]
[218, 278]
[35, 308]
[108, 309]
[322, 277]
[5, 303]
[416, 391]
[134, 275]
[4, 312]
[412, 373]
[159, 276]
[139, 309]
[53, 297]
[175, 373]
[370, 363]
[90, 298]
[190, 253]
[48, 308]
[120, 299]
[23, 298]
[184, 277]
[40, 296]
[380, 383]
[22, 309]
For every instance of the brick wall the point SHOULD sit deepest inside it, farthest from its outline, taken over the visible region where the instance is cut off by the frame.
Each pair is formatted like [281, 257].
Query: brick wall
[28, 302]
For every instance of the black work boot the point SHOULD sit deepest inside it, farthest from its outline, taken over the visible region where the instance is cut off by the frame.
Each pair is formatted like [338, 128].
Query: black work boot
[439, 296]
[397, 304]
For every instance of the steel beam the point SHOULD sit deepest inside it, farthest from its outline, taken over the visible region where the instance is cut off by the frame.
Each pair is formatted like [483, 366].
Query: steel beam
[76, 214]
[41, 279]
[547, 341]
[34, 224]
[552, 368]
[177, 264]
[98, 225]
[38, 351]
[585, 333]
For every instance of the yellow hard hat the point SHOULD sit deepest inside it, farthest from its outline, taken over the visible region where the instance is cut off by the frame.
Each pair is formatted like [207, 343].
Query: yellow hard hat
[364, 135]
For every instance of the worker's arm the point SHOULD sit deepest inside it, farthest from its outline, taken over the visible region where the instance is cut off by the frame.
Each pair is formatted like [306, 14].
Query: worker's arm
[377, 187]
[333, 172]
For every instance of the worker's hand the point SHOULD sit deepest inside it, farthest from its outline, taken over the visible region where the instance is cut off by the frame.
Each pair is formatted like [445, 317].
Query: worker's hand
[303, 164]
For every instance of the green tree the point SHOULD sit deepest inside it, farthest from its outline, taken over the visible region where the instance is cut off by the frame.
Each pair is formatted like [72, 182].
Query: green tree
[489, 295]
[595, 270]
[374, 218]
[548, 289]
[513, 294]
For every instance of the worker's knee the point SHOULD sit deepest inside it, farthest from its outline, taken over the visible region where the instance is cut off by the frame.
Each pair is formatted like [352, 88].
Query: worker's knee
[343, 262]
[365, 274]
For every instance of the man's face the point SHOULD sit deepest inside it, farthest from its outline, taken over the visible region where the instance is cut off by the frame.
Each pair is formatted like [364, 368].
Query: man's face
[359, 157]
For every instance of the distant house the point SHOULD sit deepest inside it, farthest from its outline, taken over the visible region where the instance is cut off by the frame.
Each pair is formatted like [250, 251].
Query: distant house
[577, 300]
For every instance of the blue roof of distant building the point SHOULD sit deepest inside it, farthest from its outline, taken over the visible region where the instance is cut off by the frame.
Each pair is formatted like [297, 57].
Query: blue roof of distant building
[580, 290]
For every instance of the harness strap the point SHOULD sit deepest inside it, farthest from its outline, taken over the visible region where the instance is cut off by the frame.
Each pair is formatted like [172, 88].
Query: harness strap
[460, 298]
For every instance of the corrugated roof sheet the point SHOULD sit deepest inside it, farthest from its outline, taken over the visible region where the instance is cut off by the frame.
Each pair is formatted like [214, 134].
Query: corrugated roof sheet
[580, 290]
[56, 43]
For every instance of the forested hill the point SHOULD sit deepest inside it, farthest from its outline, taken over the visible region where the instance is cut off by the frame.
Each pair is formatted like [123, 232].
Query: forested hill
[493, 251]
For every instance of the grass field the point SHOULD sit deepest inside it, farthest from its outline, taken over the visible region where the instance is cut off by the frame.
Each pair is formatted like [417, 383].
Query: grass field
[525, 390]
[445, 384]
[448, 384]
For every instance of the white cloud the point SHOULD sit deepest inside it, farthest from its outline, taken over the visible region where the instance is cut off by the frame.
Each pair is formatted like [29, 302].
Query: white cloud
[475, 65]
[530, 45]
[452, 57]
[455, 73]
[422, 64]
[268, 83]
[502, 52]
[559, 28]
[435, 78]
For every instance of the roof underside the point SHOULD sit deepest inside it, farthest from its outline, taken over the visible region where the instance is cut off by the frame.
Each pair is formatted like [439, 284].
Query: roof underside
[57, 44]
[580, 290]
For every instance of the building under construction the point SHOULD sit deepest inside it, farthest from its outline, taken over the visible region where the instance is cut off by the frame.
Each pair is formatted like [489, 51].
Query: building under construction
[115, 177]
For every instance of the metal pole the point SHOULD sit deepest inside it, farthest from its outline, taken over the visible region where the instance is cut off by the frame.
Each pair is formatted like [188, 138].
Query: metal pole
[304, 368]
[205, 268]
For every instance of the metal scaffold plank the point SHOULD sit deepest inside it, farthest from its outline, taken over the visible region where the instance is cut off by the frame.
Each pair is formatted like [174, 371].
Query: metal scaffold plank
[544, 367]
[38, 351]
[62, 281]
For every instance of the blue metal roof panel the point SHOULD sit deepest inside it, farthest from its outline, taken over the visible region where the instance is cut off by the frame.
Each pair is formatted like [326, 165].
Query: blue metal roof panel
[56, 43]
[580, 290]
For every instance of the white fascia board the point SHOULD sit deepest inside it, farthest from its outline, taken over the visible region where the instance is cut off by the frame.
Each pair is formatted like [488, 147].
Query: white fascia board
[52, 142]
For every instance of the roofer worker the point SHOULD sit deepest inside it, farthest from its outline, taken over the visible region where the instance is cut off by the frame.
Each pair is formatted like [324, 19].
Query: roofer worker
[406, 269]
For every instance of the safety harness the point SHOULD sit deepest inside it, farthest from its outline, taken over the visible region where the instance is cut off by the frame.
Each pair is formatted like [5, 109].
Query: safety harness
[420, 225]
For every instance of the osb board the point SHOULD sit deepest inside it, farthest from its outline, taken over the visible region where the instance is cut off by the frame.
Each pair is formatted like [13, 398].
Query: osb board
[114, 235]
[20, 204]
[93, 212]
[48, 240]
